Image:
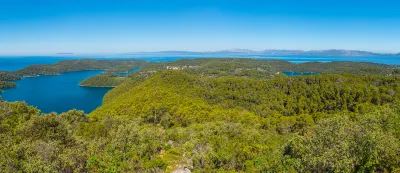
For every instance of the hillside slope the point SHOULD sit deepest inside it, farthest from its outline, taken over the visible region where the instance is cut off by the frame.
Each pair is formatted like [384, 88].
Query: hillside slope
[319, 123]
[251, 68]
[230, 123]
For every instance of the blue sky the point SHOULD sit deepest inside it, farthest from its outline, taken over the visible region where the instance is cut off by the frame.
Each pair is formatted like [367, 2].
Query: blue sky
[113, 26]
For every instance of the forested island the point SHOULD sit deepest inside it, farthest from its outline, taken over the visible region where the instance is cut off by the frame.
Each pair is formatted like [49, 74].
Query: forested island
[218, 115]
[103, 80]
[79, 65]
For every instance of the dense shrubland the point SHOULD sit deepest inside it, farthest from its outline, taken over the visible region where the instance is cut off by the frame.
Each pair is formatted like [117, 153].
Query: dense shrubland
[251, 68]
[212, 117]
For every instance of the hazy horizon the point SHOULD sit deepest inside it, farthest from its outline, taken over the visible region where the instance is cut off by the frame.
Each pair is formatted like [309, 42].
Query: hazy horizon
[97, 27]
[174, 52]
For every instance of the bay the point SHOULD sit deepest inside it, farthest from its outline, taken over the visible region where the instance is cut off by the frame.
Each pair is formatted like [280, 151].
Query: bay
[58, 93]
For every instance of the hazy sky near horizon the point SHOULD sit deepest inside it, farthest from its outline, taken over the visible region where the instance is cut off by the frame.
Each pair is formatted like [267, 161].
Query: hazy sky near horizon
[113, 26]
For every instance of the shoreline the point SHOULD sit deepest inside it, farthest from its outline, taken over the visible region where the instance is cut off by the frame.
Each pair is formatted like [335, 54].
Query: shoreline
[97, 86]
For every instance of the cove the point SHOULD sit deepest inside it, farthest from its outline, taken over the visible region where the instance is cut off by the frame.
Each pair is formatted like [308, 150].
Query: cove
[58, 93]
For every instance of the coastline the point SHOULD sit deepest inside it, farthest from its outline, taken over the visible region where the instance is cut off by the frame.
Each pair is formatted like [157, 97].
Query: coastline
[97, 86]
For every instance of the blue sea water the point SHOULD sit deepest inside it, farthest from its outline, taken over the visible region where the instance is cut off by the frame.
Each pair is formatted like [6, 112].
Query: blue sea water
[17, 63]
[58, 93]
[62, 93]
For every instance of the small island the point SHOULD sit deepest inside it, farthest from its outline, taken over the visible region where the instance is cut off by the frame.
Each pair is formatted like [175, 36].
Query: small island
[103, 80]
[80, 65]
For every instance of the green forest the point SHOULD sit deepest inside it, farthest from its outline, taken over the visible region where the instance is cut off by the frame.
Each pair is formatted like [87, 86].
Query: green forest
[218, 115]
[79, 65]
[103, 80]
[7, 76]
[6, 85]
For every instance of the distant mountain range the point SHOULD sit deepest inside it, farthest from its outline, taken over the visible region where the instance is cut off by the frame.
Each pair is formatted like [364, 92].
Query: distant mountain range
[331, 52]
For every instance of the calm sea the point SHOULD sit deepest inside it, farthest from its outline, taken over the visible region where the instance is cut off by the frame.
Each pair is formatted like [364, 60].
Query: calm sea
[62, 93]
[16, 63]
